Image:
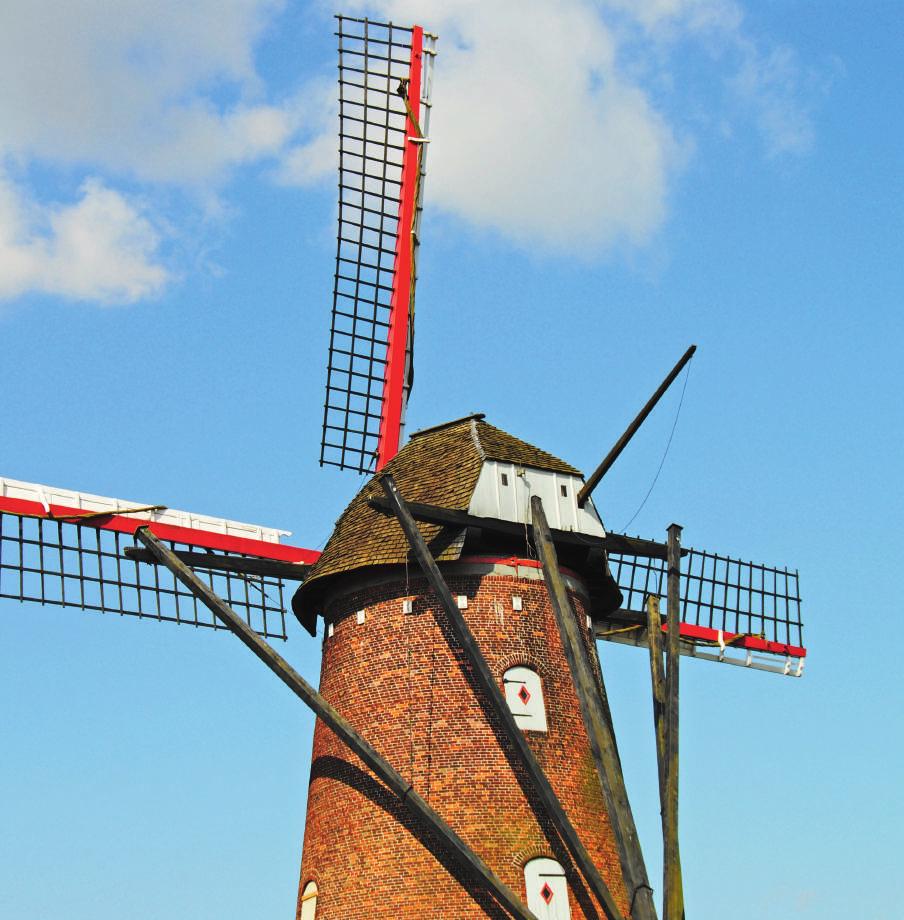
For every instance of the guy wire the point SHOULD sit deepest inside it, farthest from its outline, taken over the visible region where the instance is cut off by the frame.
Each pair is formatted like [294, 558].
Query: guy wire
[665, 452]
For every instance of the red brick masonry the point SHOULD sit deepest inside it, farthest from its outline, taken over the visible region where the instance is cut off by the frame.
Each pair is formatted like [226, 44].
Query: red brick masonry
[395, 678]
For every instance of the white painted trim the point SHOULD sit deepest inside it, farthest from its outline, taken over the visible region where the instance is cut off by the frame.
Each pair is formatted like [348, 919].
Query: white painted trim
[85, 501]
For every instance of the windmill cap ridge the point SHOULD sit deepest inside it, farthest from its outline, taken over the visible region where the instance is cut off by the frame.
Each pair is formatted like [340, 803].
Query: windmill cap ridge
[475, 416]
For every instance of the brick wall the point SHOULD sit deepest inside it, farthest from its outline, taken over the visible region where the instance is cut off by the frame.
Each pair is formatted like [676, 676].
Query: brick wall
[395, 678]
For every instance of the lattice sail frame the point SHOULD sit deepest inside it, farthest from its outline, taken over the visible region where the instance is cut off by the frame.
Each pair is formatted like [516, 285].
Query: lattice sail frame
[67, 548]
[735, 612]
[382, 161]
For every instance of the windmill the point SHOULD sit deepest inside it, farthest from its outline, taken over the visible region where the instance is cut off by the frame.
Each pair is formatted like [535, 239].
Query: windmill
[464, 758]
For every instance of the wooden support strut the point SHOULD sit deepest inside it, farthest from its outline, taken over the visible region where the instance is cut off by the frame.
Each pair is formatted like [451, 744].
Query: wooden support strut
[241, 565]
[657, 678]
[597, 721]
[492, 694]
[337, 724]
[673, 894]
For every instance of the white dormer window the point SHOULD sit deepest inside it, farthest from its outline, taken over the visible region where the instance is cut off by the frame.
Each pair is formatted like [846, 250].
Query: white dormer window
[524, 695]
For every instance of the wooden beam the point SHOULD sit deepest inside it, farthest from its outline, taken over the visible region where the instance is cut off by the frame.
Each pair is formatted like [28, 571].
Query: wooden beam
[449, 517]
[673, 894]
[597, 722]
[340, 726]
[631, 430]
[244, 565]
[488, 686]
[657, 678]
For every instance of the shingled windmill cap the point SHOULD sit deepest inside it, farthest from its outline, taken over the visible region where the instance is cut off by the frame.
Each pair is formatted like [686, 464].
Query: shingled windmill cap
[440, 466]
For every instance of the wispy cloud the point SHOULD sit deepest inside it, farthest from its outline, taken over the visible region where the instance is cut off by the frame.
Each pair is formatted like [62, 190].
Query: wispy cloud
[763, 79]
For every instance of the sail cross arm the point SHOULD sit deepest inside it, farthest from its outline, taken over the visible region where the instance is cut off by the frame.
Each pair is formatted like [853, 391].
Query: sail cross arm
[74, 549]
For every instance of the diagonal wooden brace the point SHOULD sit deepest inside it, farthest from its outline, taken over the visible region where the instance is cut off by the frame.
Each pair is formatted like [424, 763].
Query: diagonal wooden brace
[597, 721]
[337, 723]
[492, 694]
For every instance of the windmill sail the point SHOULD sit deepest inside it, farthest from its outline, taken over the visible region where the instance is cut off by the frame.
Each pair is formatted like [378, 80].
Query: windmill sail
[70, 548]
[384, 113]
[732, 611]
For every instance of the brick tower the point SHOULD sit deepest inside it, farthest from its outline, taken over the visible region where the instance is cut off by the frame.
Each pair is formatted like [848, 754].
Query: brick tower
[388, 667]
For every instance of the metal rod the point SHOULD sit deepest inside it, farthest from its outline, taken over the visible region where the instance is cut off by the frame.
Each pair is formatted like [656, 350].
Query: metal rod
[599, 727]
[337, 724]
[490, 689]
[631, 430]
[673, 895]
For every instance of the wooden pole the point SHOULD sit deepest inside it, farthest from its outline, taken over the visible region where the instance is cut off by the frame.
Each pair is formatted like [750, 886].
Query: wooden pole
[631, 430]
[673, 895]
[488, 686]
[336, 722]
[657, 678]
[596, 721]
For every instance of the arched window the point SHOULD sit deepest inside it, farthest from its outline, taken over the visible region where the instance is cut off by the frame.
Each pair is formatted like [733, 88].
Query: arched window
[308, 902]
[524, 695]
[547, 890]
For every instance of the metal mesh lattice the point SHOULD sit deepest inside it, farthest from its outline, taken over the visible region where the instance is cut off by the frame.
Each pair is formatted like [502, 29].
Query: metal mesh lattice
[373, 59]
[719, 593]
[59, 562]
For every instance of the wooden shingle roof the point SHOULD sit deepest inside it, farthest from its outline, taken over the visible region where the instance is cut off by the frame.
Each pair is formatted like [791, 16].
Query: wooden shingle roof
[438, 466]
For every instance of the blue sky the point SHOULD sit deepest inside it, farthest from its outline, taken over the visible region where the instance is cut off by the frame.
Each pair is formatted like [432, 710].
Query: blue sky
[608, 182]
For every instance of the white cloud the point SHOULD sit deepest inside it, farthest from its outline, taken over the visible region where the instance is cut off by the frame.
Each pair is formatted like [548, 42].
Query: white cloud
[551, 128]
[537, 135]
[100, 248]
[315, 157]
[163, 91]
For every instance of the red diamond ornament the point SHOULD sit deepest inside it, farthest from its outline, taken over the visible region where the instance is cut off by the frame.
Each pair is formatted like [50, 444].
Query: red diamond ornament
[546, 892]
[524, 694]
